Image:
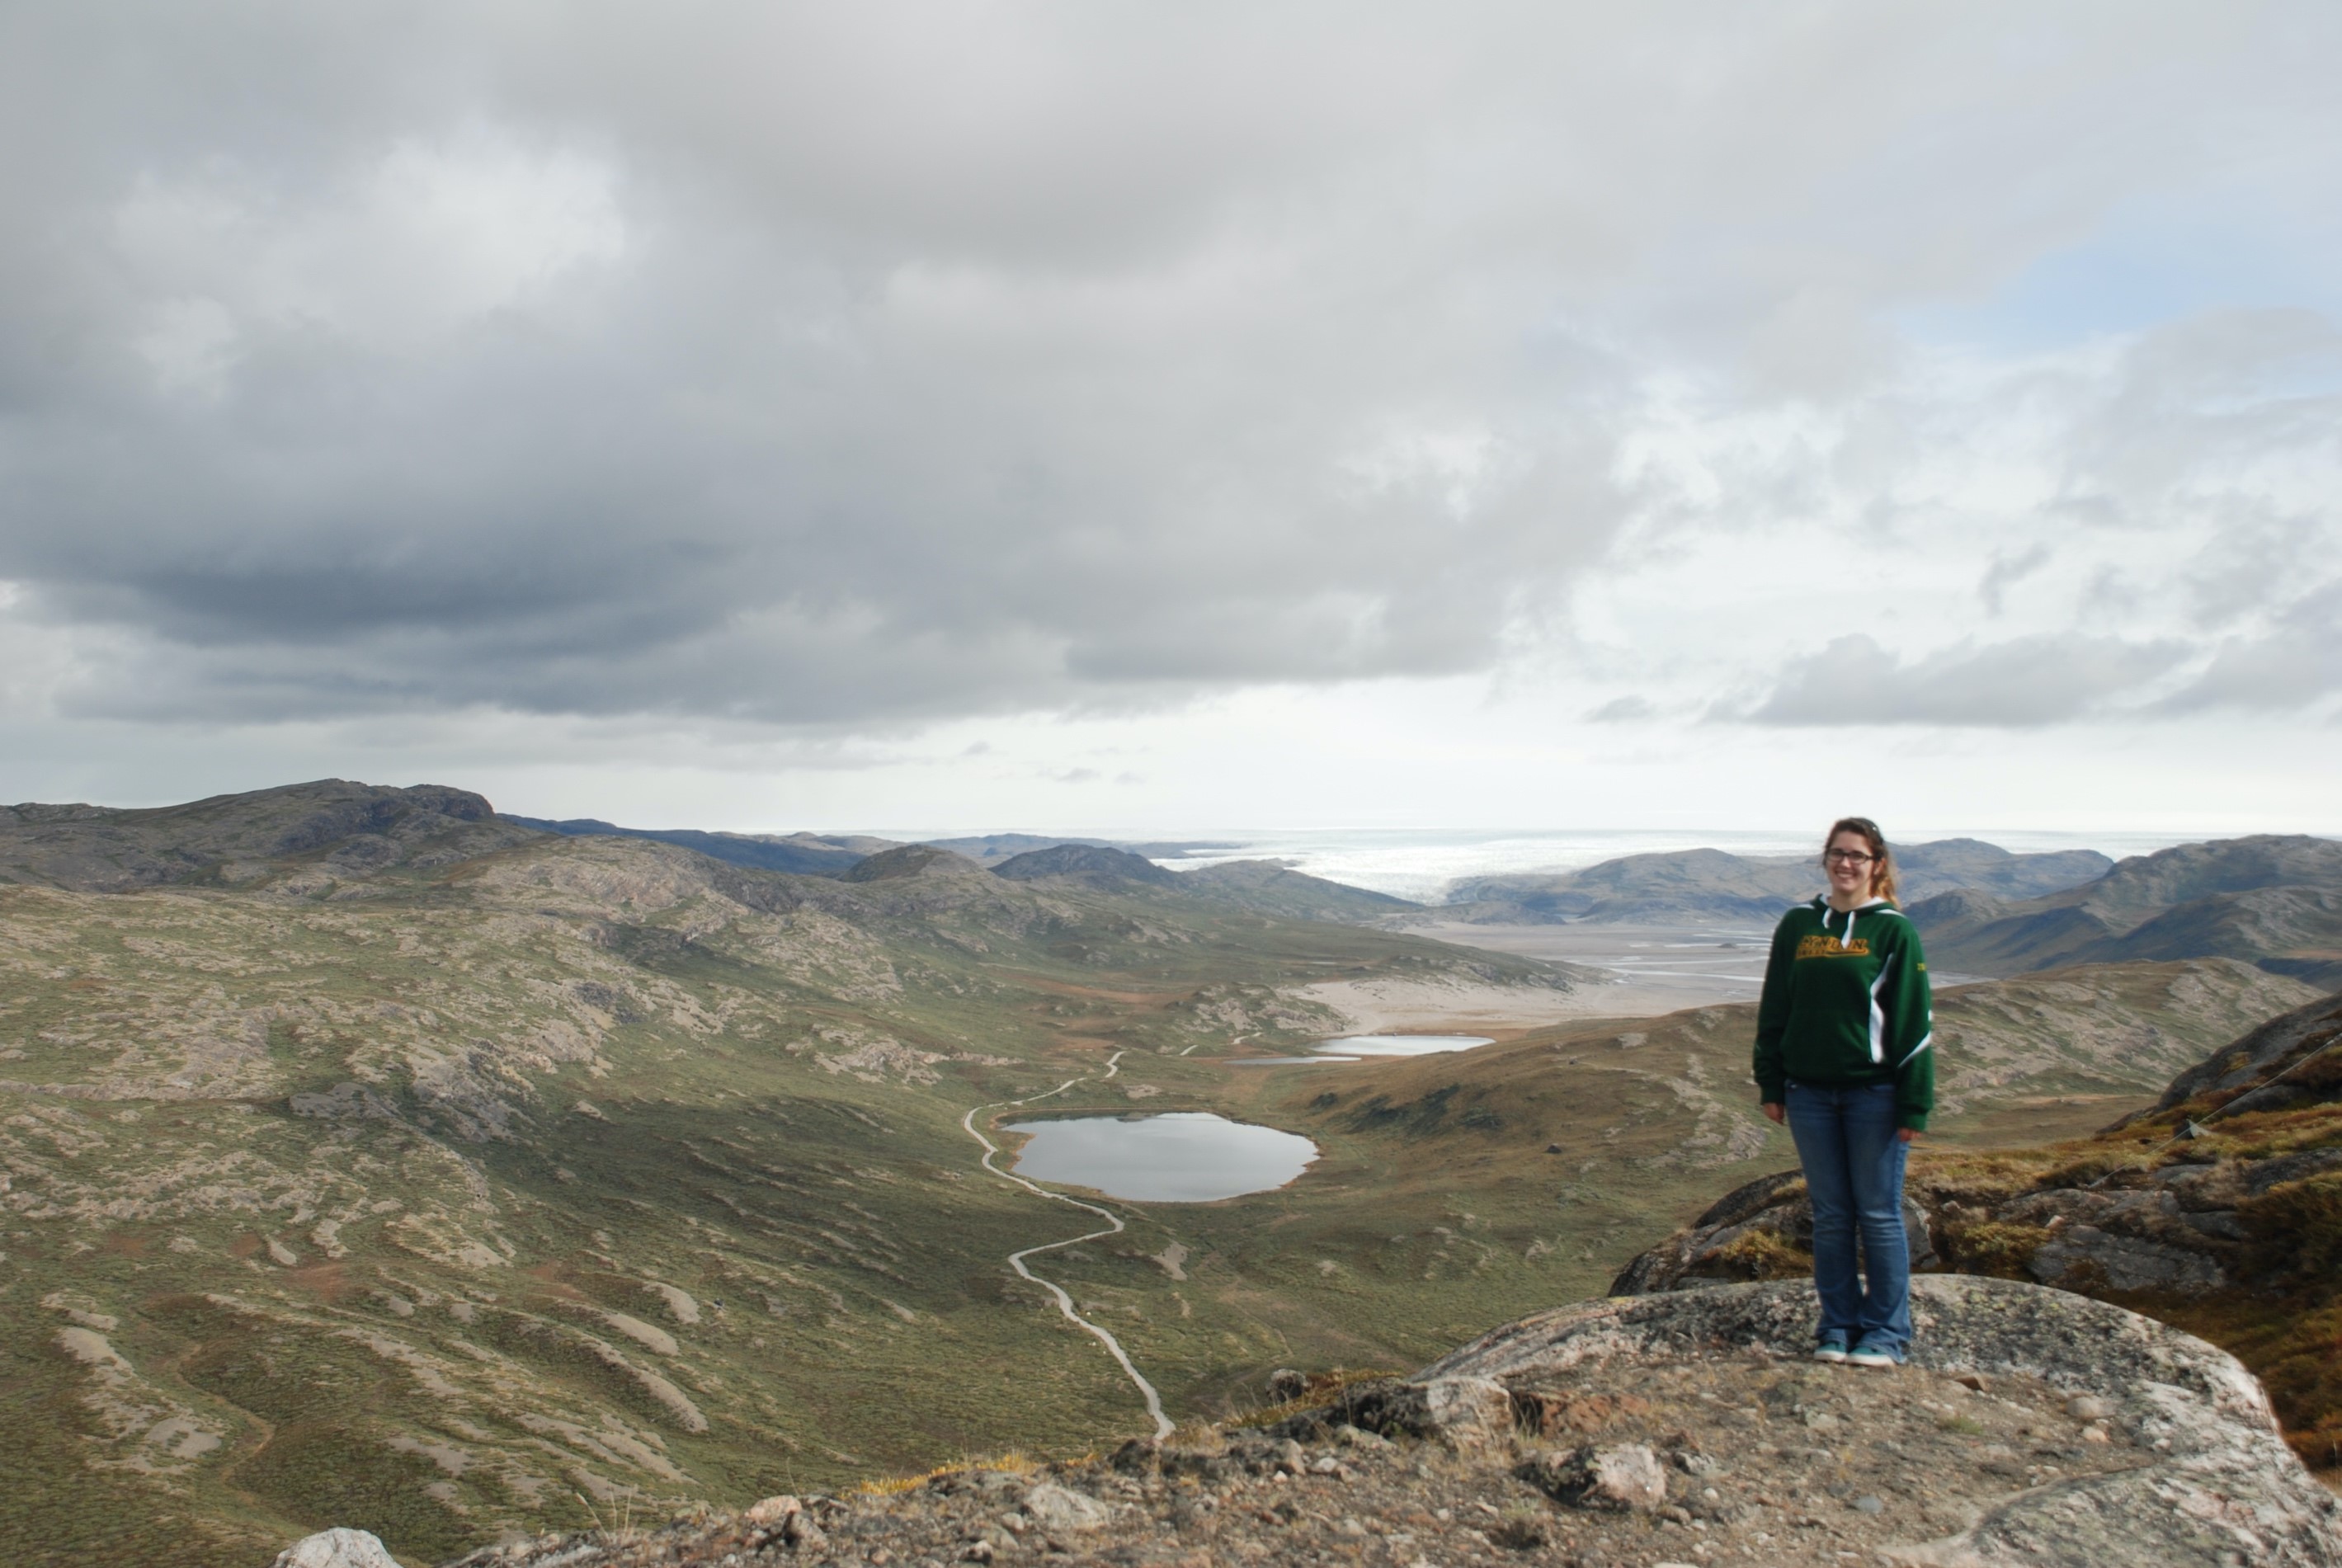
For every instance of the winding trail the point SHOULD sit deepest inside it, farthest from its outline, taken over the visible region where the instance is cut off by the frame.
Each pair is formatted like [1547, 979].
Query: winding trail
[1114, 1227]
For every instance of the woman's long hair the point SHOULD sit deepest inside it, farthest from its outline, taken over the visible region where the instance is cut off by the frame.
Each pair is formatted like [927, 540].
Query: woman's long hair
[1882, 869]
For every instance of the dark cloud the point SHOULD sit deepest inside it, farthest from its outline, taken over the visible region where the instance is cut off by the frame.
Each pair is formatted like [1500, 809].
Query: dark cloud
[2019, 684]
[1623, 711]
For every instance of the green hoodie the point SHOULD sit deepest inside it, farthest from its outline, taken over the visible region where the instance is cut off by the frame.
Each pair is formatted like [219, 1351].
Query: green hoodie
[1848, 1006]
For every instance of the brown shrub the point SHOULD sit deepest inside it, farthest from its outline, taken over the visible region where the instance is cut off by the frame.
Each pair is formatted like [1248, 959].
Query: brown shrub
[1760, 1255]
[1552, 1414]
[2295, 1230]
[1991, 1247]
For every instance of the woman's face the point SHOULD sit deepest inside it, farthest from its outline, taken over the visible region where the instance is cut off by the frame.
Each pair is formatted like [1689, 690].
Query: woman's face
[1848, 859]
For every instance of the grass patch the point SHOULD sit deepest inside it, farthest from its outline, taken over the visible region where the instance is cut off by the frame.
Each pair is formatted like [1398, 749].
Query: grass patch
[331, 1470]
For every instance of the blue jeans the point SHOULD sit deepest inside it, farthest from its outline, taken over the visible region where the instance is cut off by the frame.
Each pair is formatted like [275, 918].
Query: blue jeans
[1854, 1175]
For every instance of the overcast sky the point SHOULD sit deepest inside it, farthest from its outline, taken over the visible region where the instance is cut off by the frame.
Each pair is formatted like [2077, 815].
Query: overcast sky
[1156, 418]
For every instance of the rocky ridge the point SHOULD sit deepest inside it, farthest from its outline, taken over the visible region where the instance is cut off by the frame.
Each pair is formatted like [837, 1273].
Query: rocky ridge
[2033, 1427]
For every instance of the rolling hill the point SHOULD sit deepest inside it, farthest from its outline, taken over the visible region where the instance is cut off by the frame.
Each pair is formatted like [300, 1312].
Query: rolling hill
[1271, 888]
[1088, 866]
[803, 854]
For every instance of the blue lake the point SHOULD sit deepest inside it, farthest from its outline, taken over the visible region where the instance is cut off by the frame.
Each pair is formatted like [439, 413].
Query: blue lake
[1177, 1158]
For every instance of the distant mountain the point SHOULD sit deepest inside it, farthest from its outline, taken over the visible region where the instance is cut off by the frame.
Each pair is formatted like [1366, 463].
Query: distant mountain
[1679, 885]
[906, 860]
[352, 828]
[835, 854]
[1941, 864]
[1270, 887]
[992, 848]
[2274, 900]
[1699, 886]
[803, 854]
[1092, 865]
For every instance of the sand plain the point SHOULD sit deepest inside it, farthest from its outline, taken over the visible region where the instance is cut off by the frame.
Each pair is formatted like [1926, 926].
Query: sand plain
[1634, 971]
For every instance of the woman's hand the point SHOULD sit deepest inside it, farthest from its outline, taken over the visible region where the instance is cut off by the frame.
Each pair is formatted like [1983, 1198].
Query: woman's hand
[1905, 1135]
[1774, 1112]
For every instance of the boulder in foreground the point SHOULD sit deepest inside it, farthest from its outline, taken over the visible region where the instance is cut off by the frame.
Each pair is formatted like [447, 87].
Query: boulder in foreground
[337, 1548]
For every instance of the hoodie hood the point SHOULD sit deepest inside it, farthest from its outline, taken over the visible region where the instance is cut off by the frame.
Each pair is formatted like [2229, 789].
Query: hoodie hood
[1869, 906]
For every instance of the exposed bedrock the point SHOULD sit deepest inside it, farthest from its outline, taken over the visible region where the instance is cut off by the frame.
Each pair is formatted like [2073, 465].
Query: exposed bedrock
[2217, 1484]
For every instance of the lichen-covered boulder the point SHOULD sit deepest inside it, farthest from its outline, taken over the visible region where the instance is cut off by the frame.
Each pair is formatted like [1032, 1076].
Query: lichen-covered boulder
[1055, 1507]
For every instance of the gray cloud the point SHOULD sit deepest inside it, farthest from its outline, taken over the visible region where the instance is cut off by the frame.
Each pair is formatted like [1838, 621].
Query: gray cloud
[2005, 572]
[2019, 684]
[1623, 711]
[2295, 662]
[835, 365]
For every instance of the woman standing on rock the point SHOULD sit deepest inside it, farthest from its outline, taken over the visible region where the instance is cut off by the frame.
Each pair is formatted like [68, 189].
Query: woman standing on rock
[1842, 1035]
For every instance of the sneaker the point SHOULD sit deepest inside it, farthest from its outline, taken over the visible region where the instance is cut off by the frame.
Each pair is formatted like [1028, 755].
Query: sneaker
[1876, 1352]
[1830, 1348]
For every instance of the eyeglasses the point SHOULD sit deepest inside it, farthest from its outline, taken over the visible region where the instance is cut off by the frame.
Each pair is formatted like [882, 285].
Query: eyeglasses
[1848, 857]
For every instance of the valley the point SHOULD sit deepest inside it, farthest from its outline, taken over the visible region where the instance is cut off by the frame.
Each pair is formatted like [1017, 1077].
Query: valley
[453, 1179]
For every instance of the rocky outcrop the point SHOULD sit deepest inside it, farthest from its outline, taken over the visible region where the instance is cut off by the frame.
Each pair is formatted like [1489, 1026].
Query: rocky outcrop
[2033, 1427]
[2214, 1479]
[2254, 1061]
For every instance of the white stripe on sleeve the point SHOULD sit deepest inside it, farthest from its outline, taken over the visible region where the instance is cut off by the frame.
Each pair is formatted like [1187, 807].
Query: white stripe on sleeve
[1878, 1017]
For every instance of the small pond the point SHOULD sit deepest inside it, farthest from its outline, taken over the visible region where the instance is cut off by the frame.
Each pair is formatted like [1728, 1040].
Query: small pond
[1400, 1045]
[1177, 1158]
[1357, 1047]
